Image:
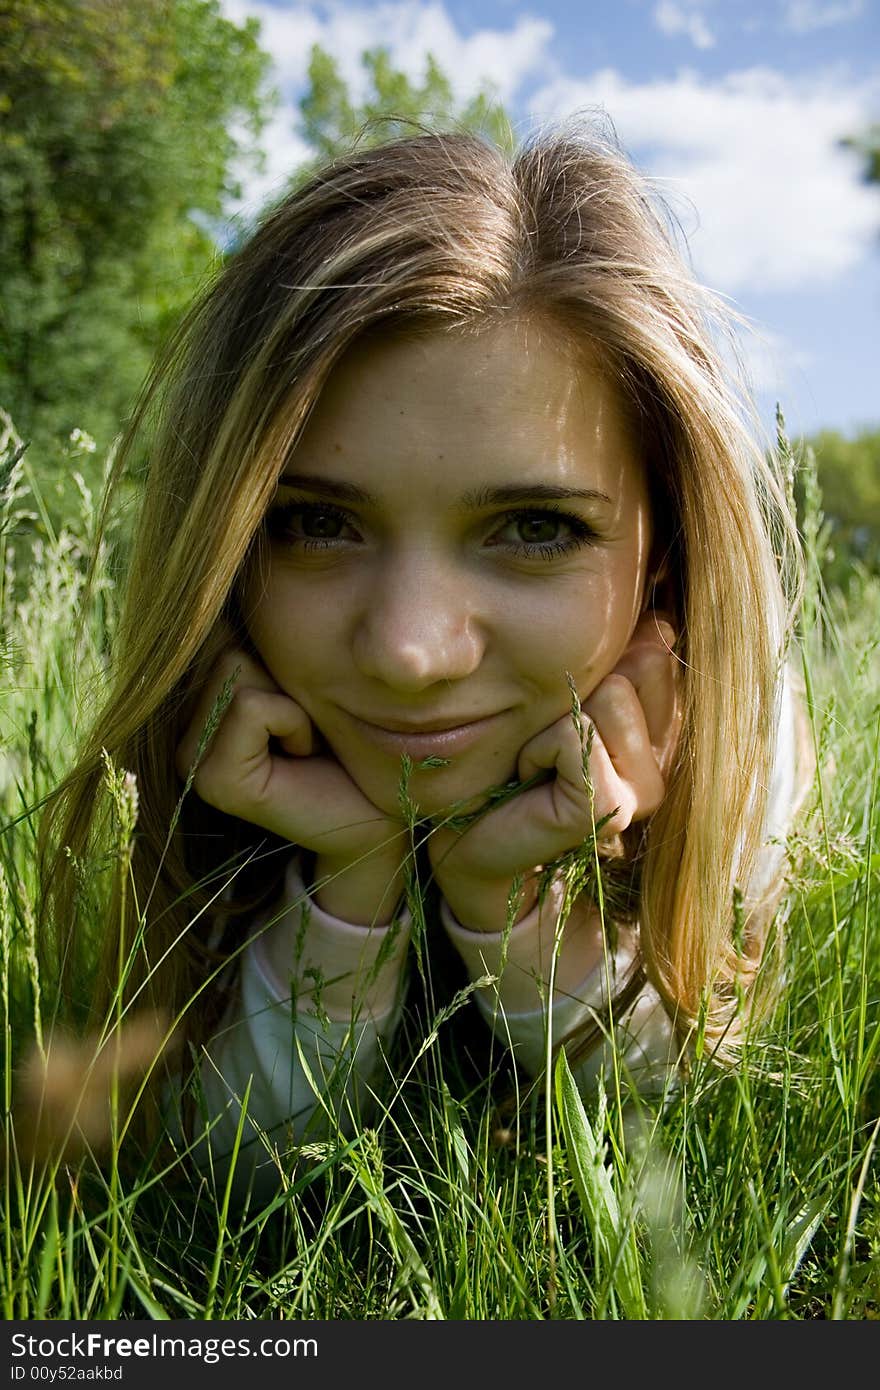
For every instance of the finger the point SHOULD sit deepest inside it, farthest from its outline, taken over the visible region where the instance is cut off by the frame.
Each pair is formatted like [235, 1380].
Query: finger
[591, 795]
[557, 749]
[564, 808]
[301, 741]
[251, 720]
[244, 672]
[654, 670]
[338, 812]
[230, 667]
[615, 801]
[580, 796]
[620, 720]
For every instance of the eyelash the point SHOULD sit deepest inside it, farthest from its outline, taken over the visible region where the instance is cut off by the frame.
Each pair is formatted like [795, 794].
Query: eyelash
[580, 533]
[279, 528]
[278, 523]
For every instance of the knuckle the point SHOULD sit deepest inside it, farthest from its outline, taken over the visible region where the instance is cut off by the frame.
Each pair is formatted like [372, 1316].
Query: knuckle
[617, 683]
[625, 813]
[654, 793]
[649, 666]
[654, 660]
[613, 690]
[616, 809]
[247, 704]
[213, 785]
[208, 778]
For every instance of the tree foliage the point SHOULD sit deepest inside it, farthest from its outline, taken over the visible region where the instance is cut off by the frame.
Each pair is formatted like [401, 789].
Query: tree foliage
[849, 479]
[393, 105]
[867, 146]
[122, 128]
[119, 125]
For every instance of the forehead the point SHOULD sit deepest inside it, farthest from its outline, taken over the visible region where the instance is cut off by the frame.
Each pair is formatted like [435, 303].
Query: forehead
[518, 401]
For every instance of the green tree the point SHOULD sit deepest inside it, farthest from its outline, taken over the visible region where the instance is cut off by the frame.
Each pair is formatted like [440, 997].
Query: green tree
[848, 471]
[121, 126]
[394, 105]
[867, 145]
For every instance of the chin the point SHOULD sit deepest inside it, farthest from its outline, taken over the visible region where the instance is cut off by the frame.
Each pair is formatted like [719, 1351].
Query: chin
[436, 791]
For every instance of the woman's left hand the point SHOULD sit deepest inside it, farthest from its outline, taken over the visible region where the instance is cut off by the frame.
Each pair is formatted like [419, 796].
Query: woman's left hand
[635, 713]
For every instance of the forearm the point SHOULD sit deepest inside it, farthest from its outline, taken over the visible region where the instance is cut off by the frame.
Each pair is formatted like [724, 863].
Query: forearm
[317, 1001]
[363, 892]
[303, 1078]
[555, 978]
[488, 905]
[333, 962]
[538, 950]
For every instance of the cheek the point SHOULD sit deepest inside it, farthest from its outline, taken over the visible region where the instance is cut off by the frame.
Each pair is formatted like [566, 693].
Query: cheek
[287, 621]
[583, 633]
[278, 630]
[298, 654]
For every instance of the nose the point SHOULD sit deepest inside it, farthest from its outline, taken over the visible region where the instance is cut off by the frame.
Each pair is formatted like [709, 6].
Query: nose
[418, 625]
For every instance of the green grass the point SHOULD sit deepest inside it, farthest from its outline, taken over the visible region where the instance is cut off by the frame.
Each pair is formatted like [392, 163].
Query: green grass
[752, 1196]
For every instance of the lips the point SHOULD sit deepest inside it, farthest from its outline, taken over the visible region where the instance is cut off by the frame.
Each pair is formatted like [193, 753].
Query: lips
[428, 738]
[424, 726]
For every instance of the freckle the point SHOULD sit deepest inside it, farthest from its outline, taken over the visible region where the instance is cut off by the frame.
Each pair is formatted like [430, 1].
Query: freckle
[338, 447]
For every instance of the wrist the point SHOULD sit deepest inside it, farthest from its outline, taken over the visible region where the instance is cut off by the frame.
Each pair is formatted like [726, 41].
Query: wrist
[329, 965]
[363, 891]
[541, 947]
[482, 882]
[487, 905]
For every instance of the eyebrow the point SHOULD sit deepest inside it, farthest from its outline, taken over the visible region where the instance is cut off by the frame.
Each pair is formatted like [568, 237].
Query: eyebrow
[506, 495]
[328, 487]
[531, 492]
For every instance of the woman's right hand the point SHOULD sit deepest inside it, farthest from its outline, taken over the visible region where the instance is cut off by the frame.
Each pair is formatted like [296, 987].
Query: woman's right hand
[266, 764]
[635, 713]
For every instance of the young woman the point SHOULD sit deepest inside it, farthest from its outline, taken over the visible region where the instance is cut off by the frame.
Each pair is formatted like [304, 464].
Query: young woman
[455, 551]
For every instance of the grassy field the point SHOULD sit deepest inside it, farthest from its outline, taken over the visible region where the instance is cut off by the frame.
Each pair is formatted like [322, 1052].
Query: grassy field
[752, 1196]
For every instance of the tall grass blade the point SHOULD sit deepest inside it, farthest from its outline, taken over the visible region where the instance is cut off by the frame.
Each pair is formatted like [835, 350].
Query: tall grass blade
[615, 1248]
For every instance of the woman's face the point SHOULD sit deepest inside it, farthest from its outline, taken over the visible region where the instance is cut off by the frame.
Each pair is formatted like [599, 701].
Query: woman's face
[464, 521]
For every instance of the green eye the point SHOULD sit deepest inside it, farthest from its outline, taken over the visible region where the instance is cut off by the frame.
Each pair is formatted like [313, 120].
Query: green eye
[538, 530]
[320, 525]
[542, 533]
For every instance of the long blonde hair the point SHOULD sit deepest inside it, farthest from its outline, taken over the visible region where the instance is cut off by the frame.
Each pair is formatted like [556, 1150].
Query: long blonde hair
[443, 232]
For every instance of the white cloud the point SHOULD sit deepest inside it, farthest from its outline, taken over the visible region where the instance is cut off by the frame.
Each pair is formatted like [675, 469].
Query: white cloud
[803, 16]
[410, 30]
[750, 163]
[284, 151]
[672, 18]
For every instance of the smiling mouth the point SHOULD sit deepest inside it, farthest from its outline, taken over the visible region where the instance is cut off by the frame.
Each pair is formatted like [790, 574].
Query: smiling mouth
[431, 739]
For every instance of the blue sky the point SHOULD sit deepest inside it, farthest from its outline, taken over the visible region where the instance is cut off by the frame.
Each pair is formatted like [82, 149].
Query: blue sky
[734, 107]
